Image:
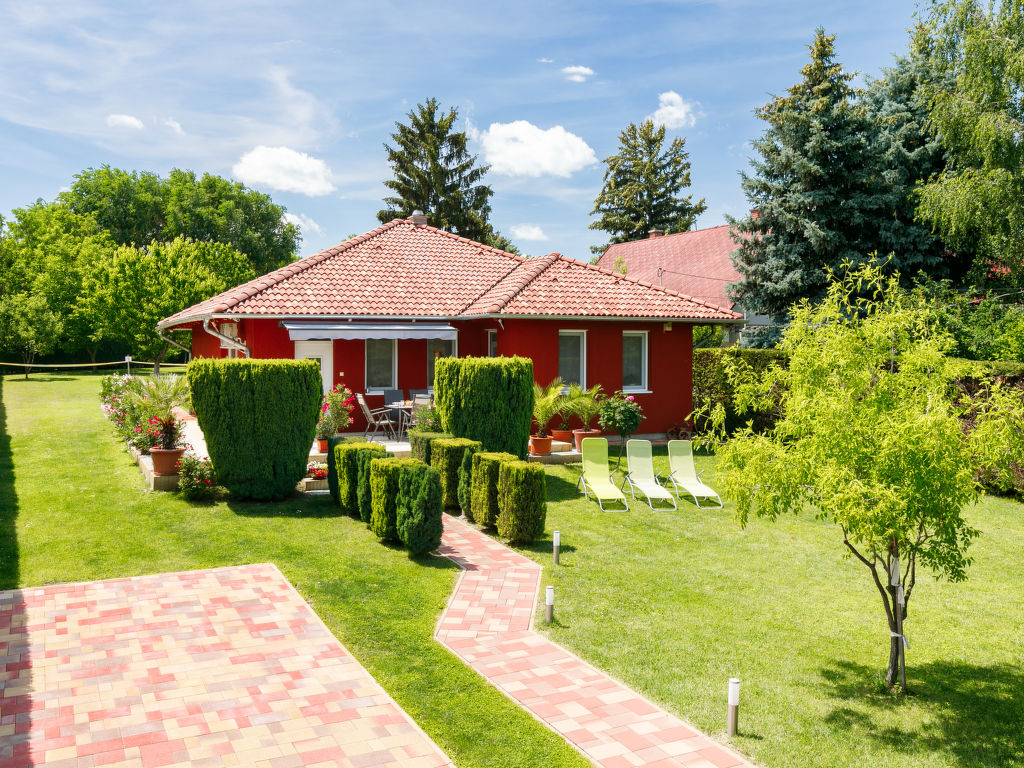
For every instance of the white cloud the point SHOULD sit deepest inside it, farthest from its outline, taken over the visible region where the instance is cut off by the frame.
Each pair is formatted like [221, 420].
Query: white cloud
[520, 148]
[546, 61]
[125, 121]
[527, 232]
[285, 169]
[577, 74]
[673, 112]
[175, 126]
[303, 222]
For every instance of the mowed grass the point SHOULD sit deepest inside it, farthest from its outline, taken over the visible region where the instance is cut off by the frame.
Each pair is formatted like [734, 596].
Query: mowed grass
[73, 508]
[676, 603]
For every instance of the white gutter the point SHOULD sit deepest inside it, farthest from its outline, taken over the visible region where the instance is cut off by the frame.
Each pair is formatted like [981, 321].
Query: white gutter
[234, 343]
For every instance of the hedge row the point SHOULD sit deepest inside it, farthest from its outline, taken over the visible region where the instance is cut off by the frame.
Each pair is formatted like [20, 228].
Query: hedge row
[446, 456]
[418, 508]
[488, 399]
[483, 496]
[348, 462]
[522, 501]
[419, 443]
[711, 385]
[384, 488]
[259, 418]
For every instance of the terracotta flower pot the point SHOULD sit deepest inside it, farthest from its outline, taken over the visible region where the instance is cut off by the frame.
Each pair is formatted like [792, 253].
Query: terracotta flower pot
[579, 434]
[321, 445]
[561, 435]
[165, 459]
[540, 446]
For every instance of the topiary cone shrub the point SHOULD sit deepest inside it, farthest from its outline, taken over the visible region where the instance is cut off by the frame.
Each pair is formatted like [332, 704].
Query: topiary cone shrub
[418, 517]
[346, 463]
[483, 496]
[258, 417]
[522, 501]
[446, 457]
[419, 443]
[384, 474]
[489, 399]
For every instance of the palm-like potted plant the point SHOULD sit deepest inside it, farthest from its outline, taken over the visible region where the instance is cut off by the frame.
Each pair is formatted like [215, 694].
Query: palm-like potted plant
[585, 405]
[563, 434]
[546, 403]
[159, 395]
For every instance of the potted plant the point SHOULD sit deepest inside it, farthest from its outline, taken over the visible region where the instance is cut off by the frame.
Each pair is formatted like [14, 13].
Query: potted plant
[563, 434]
[325, 427]
[158, 395]
[340, 401]
[585, 404]
[546, 401]
[620, 413]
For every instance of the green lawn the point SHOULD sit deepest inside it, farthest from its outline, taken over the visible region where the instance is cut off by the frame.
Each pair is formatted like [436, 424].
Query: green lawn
[675, 603]
[73, 508]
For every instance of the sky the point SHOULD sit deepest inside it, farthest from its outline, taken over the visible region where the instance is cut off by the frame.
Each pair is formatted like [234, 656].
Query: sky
[297, 99]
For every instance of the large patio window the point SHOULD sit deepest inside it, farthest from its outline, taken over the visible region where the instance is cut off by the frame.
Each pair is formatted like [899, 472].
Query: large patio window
[437, 348]
[634, 361]
[572, 357]
[381, 364]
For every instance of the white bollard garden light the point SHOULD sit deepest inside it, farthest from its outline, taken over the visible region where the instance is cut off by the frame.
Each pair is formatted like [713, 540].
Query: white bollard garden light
[549, 603]
[734, 705]
[556, 543]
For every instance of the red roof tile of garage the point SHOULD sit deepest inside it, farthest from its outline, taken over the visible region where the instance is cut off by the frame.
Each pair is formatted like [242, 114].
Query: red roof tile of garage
[406, 270]
[695, 263]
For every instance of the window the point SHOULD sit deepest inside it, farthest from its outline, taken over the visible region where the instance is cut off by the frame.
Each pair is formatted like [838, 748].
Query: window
[634, 361]
[381, 364]
[492, 343]
[437, 348]
[572, 357]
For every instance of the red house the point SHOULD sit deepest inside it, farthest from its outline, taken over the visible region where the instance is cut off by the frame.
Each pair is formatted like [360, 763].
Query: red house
[378, 309]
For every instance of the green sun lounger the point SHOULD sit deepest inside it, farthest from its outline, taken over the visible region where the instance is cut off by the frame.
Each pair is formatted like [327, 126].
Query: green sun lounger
[683, 475]
[595, 478]
[640, 474]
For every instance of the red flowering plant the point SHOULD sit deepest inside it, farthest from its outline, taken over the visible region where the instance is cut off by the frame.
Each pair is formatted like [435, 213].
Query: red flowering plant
[317, 470]
[196, 479]
[335, 411]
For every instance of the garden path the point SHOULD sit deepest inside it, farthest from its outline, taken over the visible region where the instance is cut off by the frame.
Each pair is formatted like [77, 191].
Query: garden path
[227, 666]
[488, 624]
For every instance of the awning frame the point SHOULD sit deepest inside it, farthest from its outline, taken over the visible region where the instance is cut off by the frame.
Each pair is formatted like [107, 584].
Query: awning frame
[299, 330]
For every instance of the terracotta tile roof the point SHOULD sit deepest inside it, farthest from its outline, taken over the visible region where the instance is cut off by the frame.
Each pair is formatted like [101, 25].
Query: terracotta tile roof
[695, 263]
[404, 270]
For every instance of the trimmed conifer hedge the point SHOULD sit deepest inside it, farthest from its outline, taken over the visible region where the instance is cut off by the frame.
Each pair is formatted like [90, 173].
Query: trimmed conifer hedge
[259, 418]
[419, 443]
[489, 399]
[384, 473]
[466, 479]
[346, 463]
[364, 498]
[332, 473]
[483, 496]
[522, 501]
[418, 517]
[446, 457]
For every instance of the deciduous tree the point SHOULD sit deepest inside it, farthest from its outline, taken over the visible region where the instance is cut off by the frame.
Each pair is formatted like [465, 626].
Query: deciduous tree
[28, 327]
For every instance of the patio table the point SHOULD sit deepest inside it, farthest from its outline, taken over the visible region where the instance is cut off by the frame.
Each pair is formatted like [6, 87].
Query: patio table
[404, 408]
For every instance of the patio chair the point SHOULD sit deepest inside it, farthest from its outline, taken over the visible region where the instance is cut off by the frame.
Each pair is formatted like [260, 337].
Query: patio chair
[640, 474]
[596, 478]
[413, 393]
[376, 419]
[394, 396]
[683, 475]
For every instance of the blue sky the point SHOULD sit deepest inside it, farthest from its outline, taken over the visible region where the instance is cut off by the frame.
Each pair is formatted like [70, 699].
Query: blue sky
[296, 99]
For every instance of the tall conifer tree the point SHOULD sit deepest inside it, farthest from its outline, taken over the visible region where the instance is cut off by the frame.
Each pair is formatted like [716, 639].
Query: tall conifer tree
[642, 185]
[435, 173]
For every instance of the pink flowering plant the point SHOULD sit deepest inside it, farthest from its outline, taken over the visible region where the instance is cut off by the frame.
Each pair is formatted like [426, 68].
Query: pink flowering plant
[196, 479]
[316, 470]
[335, 411]
[620, 413]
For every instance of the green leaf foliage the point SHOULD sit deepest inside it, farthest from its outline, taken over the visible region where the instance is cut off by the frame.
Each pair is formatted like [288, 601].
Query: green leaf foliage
[419, 509]
[712, 386]
[466, 480]
[483, 497]
[346, 463]
[27, 326]
[446, 456]
[522, 501]
[258, 417]
[384, 488]
[489, 399]
[642, 186]
[419, 443]
[870, 434]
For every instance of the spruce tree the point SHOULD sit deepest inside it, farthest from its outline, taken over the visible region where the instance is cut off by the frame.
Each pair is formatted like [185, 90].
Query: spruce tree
[815, 192]
[641, 187]
[434, 173]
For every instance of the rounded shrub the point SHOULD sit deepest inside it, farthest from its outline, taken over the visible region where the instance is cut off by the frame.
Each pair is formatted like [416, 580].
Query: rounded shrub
[483, 496]
[419, 443]
[446, 457]
[258, 417]
[347, 471]
[466, 479]
[522, 501]
[418, 517]
[384, 473]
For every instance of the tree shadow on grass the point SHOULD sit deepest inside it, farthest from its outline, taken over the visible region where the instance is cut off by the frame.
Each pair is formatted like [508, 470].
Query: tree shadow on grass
[9, 561]
[560, 489]
[295, 505]
[976, 711]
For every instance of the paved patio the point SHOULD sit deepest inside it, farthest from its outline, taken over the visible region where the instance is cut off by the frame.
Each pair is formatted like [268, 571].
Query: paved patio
[487, 624]
[205, 668]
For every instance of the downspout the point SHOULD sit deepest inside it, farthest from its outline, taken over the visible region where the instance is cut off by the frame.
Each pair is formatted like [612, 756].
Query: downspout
[231, 342]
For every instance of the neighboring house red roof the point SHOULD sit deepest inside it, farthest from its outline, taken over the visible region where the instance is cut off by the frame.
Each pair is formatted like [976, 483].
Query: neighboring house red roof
[405, 270]
[695, 263]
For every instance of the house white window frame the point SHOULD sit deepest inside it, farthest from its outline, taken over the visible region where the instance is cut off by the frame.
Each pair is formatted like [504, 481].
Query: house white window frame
[492, 333]
[645, 365]
[394, 369]
[583, 352]
[455, 353]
